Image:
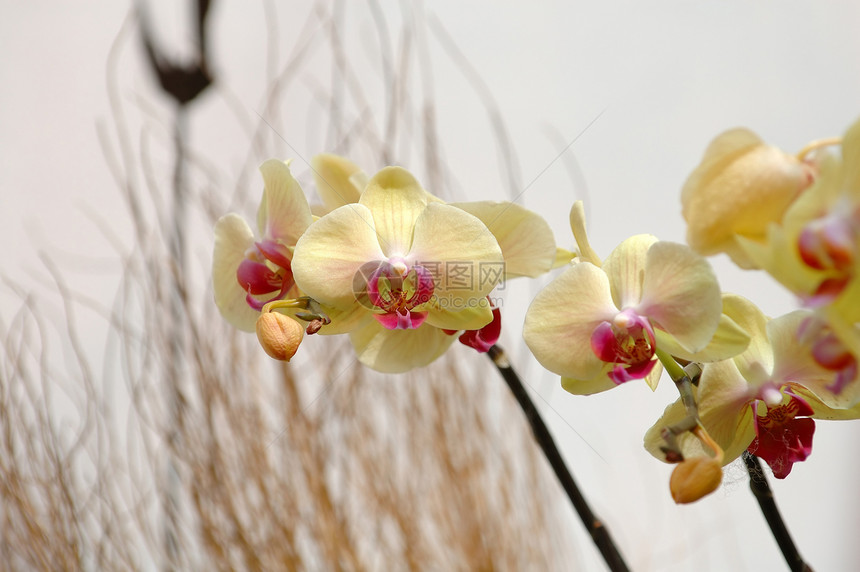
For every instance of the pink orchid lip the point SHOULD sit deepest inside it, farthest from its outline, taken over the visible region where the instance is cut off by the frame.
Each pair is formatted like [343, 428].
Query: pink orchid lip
[484, 338]
[396, 289]
[257, 278]
[628, 342]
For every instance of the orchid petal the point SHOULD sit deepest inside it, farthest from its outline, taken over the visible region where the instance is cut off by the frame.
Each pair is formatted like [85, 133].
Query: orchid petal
[332, 252]
[625, 267]
[577, 226]
[795, 362]
[729, 340]
[681, 294]
[284, 212]
[346, 320]
[397, 351]
[471, 318]
[851, 160]
[525, 238]
[563, 257]
[653, 377]
[723, 398]
[759, 353]
[596, 384]
[561, 319]
[233, 237]
[334, 180]
[740, 187]
[396, 200]
[448, 238]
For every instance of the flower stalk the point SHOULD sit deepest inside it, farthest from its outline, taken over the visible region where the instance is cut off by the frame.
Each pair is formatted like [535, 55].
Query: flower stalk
[595, 527]
[764, 495]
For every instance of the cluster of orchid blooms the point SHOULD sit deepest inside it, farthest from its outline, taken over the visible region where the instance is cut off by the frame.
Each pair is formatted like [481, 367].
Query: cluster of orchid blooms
[406, 275]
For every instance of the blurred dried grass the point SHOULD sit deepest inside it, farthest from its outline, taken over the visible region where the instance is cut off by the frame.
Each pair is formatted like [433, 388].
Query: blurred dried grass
[186, 450]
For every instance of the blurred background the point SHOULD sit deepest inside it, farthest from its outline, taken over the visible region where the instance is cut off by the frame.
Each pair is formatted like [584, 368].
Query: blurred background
[140, 432]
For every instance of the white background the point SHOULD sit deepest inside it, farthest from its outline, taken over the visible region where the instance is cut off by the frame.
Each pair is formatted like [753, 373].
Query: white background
[661, 77]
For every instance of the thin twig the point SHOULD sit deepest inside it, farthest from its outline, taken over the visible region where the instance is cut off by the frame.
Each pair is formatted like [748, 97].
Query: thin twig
[764, 496]
[599, 533]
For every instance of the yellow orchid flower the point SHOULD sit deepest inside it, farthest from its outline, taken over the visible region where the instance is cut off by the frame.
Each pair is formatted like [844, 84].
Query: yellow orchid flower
[598, 324]
[739, 188]
[763, 399]
[815, 252]
[524, 237]
[248, 272]
[398, 268]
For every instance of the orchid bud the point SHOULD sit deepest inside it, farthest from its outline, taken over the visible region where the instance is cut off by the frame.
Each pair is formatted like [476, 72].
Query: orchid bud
[695, 478]
[279, 335]
[740, 188]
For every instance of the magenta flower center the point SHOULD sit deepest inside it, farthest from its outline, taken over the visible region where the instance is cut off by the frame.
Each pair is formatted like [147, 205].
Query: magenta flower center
[265, 269]
[627, 342]
[397, 289]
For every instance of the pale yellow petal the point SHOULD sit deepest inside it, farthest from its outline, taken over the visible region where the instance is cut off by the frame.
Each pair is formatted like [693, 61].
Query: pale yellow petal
[460, 252]
[779, 256]
[345, 321]
[328, 257]
[284, 212]
[562, 318]
[719, 154]
[395, 199]
[724, 407]
[471, 318]
[577, 226]
[851, 160]
[597, 384]
[334, 179]
[398, 351]
[794, 362]
[759, 353]
[740, 187]
[233, 237]
[653, 377]
[824, 407]
[625, 267]
[729, 340]
[563, 257]
[525, 238]
[680, 294]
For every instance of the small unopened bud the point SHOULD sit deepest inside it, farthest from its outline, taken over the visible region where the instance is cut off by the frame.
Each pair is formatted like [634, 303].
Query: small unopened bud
[279, 335]
[694, 478]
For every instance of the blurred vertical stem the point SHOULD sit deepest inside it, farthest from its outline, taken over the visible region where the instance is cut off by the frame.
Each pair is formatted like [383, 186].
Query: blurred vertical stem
[183, 83]
[595, 527]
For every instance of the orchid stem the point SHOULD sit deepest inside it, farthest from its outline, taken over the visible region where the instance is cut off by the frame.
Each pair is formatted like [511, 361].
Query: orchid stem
[599, 533]
[764, 496]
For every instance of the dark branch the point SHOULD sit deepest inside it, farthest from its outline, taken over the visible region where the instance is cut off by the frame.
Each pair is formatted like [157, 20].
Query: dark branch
[764, 496]
[599, 533]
